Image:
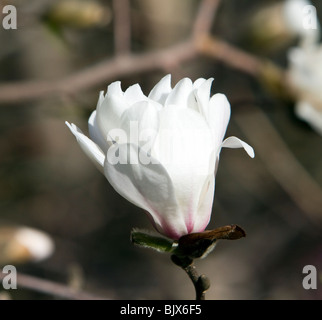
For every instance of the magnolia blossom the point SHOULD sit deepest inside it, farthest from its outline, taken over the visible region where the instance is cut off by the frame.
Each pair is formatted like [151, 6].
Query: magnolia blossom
[301, 19]
[161, 151]
[22, 244]
[305, 75]
[276, 25]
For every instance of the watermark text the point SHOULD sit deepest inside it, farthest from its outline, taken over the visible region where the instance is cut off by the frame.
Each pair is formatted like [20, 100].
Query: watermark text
[310, 19]
[310, 280]
[9, 18]
[9, 277]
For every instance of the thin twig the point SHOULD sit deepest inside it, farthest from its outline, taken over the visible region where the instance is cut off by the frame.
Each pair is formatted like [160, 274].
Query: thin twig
[122, 26]
[201, 283]
[128, 65]
[195, 278]
[205, 17]
[98, 74]
[282, 164]
[230, 55]
[113, 68]
[51, 288]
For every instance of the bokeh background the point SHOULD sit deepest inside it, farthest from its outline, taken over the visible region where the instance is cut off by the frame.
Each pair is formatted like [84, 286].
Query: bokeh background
[46, 182]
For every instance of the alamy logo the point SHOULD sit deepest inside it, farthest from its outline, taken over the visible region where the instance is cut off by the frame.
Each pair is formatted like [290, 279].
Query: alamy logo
[310, 280]
[9, 279]
[9, 21]
[310, 20]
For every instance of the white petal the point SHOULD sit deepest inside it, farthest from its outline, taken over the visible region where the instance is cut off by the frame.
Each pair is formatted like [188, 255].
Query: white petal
[308, 113]
[233, 142]
[141, 122]
[183, 138]
[304, 74]
[218, 117]
[296, 56]
[100, 99]
[134, 94]
[38, 243]
[91, 149]
[147, 186]
[192, 102]
[203, 96]
[184, 146]
[95, 133]
[198, 83]
[109, 113]
[206, 199]
[115, 89]
[180, 93]
[161, 90]
[295, 12]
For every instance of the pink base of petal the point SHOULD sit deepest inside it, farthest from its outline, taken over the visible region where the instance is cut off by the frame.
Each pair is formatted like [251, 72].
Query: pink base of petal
[190, 221]
[204, 226]
[171, 233]
[164, 229]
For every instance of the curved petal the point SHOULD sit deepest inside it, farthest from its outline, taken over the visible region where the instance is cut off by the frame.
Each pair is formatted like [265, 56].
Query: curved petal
[89, 147]
[184, 147]
[134, 94]
[233, 142]
[115, 88]
[38, 243]
[203, 96]
[206, 199]
[198, 83]
[109, 113]
[180, 93]
[100, 99]
[141, 122]
[148, 186]
[218, 117]
[192, 102]
[161, 90]
[95, 133]
[311, 115]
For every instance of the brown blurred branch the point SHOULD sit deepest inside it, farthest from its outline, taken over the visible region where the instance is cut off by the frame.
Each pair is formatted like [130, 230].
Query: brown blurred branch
[104, 71]
[51, 288]
[201, 43]
[119, 66]
[201, 283]
[204, 19]
[282, 164]
[131, 64]
[229, 54]
[122, 26]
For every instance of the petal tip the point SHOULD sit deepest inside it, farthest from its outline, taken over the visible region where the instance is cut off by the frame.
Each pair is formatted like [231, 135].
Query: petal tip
[251, 153]
[69, 125]
[167, 77]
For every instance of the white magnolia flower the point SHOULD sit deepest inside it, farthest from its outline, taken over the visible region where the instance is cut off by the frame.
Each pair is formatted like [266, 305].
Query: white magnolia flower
[161, 151]
[301, 19]
[305, 75]
[22, 244]
[276, 25]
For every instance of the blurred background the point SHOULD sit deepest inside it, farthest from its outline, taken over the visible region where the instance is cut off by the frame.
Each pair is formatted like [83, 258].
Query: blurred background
[47, 182]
